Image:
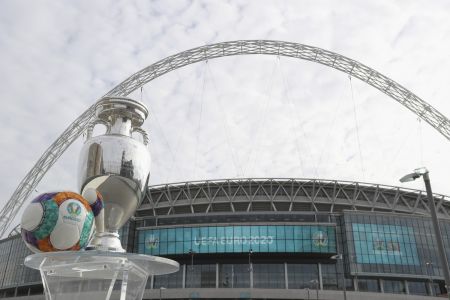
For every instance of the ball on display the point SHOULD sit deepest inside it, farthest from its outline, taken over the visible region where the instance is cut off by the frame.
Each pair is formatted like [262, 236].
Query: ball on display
[56, 222]
[95, 200]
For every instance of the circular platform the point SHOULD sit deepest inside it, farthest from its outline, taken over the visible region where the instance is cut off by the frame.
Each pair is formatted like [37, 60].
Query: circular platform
[99, 264]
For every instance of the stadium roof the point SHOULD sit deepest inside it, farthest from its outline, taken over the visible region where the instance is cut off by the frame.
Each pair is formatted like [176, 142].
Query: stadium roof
[285, 195]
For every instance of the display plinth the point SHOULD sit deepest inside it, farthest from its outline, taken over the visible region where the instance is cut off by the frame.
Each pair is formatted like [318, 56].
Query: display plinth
[97, 275]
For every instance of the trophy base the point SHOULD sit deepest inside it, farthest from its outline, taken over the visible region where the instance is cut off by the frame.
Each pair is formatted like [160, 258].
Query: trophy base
[106, 241]
[97, 275]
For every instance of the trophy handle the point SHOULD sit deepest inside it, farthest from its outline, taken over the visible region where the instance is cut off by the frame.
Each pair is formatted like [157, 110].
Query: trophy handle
[91, 126]
[143, 133]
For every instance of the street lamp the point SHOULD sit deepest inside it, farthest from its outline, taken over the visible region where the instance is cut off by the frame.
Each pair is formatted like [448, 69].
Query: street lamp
[430, 266]
[339, 257]
[423, 172]
[354, 264]
[191, 253]
[250, 267]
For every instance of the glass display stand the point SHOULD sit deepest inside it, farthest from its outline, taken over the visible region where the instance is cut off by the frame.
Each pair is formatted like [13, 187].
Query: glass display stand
[97, 275]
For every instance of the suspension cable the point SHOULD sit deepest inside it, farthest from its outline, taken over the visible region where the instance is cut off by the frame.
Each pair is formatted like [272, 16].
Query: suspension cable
[421, 163]
[404, 141]
[202, 92]
[154, 116]
[261, 125]
[225, 125]
[298, 124]
[183, 129]
[361, 161]
[330, 130]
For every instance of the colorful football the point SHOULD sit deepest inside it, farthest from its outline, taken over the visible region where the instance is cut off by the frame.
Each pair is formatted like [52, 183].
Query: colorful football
[57, 222]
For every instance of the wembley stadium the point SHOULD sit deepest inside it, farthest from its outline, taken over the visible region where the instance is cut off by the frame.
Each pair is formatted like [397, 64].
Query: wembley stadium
[274, 239]
[255, 238]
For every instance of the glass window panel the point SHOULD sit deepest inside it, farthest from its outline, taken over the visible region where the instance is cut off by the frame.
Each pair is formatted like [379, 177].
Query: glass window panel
[179, 248]
[162, 248]
[330, 277]
[281, 234]
[171, 235]
[268, 276]
[246, 231]
[368, 285]
[281, 246]
[238, 231]
[226, 276]
[173, 280]
[289, 232]
[204, 232]
[302, 276]
[187, 232]
[179, 235]
[417, 288]
[394, 286]
[234, 276]
[290, 246]
[241, 276]
[263, 231]
[201, 276]
[272, 231]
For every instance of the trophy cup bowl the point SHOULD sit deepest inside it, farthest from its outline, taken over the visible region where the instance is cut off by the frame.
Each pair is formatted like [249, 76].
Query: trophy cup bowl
[117, 165]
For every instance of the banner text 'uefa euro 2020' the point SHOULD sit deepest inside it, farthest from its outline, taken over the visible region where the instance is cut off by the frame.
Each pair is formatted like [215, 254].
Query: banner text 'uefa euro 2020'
[238, 239]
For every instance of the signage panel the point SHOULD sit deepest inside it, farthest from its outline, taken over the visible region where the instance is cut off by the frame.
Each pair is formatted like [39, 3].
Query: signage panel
[385, 244]
[239, 239]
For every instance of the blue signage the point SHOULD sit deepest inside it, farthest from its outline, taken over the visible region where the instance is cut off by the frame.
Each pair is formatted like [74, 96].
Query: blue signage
[238, 239]
[385, 244]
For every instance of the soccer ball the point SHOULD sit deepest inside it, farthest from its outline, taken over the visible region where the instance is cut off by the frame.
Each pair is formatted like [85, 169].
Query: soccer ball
[95, 200]
[57, 222]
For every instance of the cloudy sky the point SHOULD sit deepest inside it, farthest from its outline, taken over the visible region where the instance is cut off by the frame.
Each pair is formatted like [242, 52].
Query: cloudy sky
[248, 116]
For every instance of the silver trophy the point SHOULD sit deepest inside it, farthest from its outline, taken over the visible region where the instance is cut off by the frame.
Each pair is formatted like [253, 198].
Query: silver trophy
[116, 164]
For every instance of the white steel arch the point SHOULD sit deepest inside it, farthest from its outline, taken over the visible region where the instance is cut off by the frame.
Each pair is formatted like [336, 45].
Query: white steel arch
[331, 59]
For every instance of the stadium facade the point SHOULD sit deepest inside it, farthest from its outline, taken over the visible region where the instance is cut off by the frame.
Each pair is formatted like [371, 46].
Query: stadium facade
[275, 239]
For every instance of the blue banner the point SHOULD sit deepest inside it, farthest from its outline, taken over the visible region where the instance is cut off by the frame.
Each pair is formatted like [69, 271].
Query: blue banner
[385, 244]
[238, 239]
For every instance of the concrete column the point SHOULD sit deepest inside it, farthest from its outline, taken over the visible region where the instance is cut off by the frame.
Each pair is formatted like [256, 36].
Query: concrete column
[251, 275]
[184, 277]
[406, 286]
[286, 279]
[217, 275]
[152, 281]
[381, 285]
[430, 288]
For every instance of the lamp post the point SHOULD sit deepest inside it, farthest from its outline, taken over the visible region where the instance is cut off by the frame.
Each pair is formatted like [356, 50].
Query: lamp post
[250, 268]
[423, 172]
[191, 281]
[354, 263]
[339, 257]
[430, 266]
